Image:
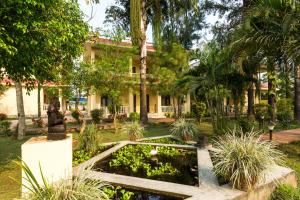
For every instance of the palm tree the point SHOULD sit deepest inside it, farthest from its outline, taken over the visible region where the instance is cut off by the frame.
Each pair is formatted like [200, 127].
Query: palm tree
[141, 13]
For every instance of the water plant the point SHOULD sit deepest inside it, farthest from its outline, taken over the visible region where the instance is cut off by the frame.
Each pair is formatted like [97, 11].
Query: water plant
[243, 159]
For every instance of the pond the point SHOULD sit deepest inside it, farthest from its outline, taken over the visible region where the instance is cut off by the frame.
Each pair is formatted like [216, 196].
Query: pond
[118, 192]
[163, 163]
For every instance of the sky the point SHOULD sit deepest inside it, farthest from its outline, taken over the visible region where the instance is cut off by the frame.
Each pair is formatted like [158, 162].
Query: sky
[99, 16]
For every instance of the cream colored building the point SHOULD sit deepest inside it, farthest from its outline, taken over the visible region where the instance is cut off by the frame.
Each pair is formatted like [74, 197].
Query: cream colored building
[8, 102]
[157, 105]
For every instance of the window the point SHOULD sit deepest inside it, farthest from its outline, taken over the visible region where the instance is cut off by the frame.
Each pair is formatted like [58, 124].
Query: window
[105, 101]
[133, 69]
[166, 100]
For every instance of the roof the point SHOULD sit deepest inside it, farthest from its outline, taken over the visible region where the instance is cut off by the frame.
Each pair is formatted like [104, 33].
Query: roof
[124, 43]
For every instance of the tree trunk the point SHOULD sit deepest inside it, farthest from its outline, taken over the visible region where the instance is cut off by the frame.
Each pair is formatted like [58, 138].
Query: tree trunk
[39, 100]
[143, 66]
[297, 92]
[287, 80]
[271, 90]
[21, 112]
[251, 101]
[115, 118]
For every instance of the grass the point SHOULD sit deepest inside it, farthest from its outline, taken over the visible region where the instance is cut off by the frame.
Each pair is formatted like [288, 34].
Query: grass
[10, 172]
[292, 150]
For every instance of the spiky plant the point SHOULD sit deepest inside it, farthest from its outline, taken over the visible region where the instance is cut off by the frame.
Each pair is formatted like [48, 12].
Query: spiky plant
[243, 159]
[184, 129]
[78, 188]
[134, 131]
[88, 140]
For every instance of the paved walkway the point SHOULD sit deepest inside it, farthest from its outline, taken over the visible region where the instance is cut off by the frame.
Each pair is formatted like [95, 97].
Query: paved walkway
[284, 137]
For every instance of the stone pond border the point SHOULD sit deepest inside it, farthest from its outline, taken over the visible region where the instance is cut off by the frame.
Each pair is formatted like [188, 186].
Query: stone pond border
[208, 184]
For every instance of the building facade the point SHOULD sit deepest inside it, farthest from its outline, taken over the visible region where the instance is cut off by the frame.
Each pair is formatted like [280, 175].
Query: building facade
[158, 106]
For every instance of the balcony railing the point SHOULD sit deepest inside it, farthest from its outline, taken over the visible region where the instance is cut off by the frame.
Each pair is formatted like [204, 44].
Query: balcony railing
[166, 109]
[122, 110]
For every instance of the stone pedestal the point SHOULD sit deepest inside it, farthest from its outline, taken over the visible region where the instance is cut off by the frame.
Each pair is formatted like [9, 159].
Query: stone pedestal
[54, 156]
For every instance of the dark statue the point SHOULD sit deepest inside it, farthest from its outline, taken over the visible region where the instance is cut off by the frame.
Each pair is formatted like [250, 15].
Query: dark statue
[56, 122]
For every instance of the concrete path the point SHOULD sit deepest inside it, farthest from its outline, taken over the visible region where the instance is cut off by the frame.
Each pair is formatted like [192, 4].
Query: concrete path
[284, 137]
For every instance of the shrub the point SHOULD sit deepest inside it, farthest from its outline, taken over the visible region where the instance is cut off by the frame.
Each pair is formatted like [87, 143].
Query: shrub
[184, 129]
[286, 192]
[223, 125]
[79, 188]
[243, 159]
[245, 124]
[284, 111]
[134, 116]
[88, 141]
[76, 115]
[168, 115]
[5, 127]
[261, 112]
[134, 131]
[199, 108]
[97, 115]
[3, 116]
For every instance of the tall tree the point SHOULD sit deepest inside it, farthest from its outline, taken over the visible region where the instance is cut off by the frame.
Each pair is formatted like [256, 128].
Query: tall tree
[38, 41]
[139, 13]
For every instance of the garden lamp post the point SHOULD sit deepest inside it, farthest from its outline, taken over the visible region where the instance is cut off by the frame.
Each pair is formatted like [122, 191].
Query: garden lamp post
[271, 128]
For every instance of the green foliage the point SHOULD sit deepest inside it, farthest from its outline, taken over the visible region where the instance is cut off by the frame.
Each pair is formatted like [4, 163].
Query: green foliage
[261, 111]
[184, 129]
[285, 113]
[243, 159]
[167, 140]
[76, 115]
[5, 127]
[134, 158]
[40, 39]
[134, 130]
[286, 192]
[224, 125]
[80, 156]
[80, 188]
[134, 116]
[97, 115]
[245, 124]
[88, 140]
[3, 116]
[199, 108]
[118, 193]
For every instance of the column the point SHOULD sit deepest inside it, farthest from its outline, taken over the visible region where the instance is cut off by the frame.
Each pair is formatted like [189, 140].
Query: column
[158, 104]
[187, 105]
[130, 102]
[60, 99]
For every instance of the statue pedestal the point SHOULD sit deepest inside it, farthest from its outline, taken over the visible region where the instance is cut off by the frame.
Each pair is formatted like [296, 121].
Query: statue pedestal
[54, 156]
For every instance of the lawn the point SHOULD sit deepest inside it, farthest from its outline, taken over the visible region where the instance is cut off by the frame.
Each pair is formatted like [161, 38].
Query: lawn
[10, 173]
[292, 150]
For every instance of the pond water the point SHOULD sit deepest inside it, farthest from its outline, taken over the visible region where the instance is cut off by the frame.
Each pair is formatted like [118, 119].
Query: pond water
[169, 164]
